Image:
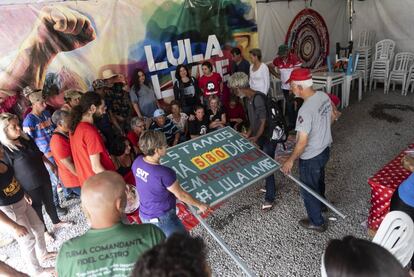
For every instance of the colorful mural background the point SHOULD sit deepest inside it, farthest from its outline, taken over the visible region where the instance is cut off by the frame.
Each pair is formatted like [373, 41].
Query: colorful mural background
[69, 44]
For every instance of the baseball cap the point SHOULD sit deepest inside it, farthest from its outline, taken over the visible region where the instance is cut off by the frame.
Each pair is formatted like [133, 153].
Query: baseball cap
[159, 112]
[36, 96]
[283, 49]
[300, 74]
[99, 83]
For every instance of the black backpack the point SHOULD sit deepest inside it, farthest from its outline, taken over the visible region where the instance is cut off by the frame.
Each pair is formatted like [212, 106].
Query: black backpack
[276, 127]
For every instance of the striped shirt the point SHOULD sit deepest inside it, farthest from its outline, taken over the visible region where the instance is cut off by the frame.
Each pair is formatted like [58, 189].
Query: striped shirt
[40, 128]
[169, 129]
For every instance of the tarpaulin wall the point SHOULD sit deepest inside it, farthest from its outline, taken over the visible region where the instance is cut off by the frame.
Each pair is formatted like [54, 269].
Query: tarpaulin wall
[71, 43]
[389, 19]
[274, 18]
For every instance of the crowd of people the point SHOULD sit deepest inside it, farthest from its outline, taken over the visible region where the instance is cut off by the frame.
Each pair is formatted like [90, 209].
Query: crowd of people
[104, 146]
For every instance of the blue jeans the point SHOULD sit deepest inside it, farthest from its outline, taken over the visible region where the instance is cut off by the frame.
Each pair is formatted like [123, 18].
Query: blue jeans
[269, 148]
[169, 223]
[312, 174]
[54, 180]
[69, 191]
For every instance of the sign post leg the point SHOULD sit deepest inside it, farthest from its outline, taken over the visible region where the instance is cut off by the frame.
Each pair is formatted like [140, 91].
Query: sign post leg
[223, 245]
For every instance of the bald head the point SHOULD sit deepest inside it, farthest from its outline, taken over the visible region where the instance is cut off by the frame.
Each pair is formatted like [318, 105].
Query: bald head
[103, 197]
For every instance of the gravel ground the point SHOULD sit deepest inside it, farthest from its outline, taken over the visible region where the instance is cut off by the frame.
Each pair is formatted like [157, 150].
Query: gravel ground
[271, 243]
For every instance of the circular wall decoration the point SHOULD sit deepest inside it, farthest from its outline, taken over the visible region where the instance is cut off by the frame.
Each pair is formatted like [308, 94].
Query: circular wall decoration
[309, 38]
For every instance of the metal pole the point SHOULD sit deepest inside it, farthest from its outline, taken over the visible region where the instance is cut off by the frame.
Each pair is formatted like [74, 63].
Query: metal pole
[223, 245]
[317, 196]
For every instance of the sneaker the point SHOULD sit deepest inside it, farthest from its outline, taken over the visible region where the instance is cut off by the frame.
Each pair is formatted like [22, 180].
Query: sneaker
[305, 223]
[267, 206]
[262, 190]
[61, 211]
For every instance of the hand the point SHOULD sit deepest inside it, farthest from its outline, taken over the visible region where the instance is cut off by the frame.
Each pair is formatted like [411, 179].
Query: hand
[287, 167]
[245, 135]
[191, 117]
[20, 230]
[204, 208]
[62, 29]
[253, 139]
[28, 199]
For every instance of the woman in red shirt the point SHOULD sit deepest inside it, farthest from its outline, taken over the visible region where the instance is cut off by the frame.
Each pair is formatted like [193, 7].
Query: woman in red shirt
[210, 83]
[235, 113]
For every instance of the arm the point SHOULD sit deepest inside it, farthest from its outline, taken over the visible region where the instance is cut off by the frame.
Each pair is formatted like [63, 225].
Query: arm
[185, 197]
[273, 70]
[266, 79]
[176, 138]
[136, 109]
[259, 132]
[50, 164]
[114, 121]
[96, 163]
[13, 227]
[299, 148]
[6, 270]
[68, 163]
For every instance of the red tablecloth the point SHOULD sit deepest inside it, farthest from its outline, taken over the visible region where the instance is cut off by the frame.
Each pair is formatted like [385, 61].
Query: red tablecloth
[383, 184]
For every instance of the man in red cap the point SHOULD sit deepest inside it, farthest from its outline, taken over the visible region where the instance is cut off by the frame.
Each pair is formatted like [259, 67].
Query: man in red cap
[313, 127]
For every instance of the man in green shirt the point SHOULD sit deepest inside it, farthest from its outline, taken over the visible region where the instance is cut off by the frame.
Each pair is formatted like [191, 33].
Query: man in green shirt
[109, 248]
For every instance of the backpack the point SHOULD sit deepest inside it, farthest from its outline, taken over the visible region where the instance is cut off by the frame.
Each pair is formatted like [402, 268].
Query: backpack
[276, 129]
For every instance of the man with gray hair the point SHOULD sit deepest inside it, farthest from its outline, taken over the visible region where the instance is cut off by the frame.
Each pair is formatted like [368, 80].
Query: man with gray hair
[313, 127]
[257, 114]
[61, 152]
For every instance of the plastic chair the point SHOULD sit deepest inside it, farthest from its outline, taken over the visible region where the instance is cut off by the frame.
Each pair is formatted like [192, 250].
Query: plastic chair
[365, 39]
[396, 234]
[410, 80]
[399, 73]
[380, 69]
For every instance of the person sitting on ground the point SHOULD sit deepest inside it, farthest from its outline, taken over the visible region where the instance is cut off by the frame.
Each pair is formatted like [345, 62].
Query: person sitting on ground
[158, 187]
[353, 257]
[199, 126]
[210, 83]
[22, 154]
[123, 156]
[72, 98]
[162, 260]
[137, 127]
[166, 126]
[142, 95]
[39, 126]
[235, 113]
[215, 114]
[259, 78]
[186, 89]
[238, 62]
[62, 154]
[19, 219]
[180, 119]
[403, 197]
[257, 115]
[90, 155]
[109, 247]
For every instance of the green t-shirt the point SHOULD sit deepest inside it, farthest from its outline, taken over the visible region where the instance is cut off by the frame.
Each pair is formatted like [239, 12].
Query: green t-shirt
[107, 252]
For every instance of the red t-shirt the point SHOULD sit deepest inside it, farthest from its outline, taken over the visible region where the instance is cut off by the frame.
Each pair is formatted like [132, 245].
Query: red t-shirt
[84, 142]
[133, 138]
[60, 148]
[236, 112]
[210, 85]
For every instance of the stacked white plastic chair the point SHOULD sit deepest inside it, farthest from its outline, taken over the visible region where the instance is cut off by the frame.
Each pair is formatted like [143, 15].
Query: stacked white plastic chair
[410, 80]
[396, 234]
[364, 48]
[399, 72]
[380, 69]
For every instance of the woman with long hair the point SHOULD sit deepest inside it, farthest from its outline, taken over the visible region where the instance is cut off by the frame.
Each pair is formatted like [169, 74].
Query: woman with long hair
[22, 154]
[186, 90]
[210, 83]
[142, 95]
[90, 155]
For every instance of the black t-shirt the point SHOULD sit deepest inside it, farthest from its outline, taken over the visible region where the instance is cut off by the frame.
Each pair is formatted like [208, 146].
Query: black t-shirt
[198, 128]
[28, 166]
[243, 66]
[10, 190]
[187, 93]
[213, 117]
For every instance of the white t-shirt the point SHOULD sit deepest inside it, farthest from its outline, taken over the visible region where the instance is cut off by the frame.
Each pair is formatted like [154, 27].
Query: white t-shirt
[179, 123]
[260, 79]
